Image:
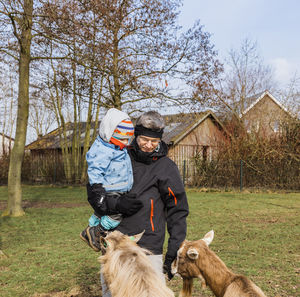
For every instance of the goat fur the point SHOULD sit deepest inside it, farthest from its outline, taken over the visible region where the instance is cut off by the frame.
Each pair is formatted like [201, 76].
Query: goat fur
[196, 260]
[127, 270]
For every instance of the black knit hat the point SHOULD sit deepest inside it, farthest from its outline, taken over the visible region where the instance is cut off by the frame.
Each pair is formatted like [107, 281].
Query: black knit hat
[141, 130]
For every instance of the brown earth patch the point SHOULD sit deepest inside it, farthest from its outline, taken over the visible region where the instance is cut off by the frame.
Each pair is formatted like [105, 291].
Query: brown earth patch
[91, 291]
[45, 204]
[264, 220]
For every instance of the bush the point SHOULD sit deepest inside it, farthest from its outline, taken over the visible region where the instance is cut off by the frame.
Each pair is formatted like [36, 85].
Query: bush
[272, 163]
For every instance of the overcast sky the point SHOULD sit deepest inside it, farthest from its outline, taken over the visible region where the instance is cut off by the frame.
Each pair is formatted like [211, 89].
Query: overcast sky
[273, 24]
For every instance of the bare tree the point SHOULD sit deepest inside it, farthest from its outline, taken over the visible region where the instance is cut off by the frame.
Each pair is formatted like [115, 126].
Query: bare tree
[122, 54]
[290, 96]
[41, 117]
[21, 22]
[136, 47]
[245, 75]
[7, 103]
[20, 40]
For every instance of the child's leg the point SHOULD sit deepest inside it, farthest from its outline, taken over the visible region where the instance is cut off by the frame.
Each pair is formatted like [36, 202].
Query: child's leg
[94, 220]
[110, 222]
[94, 233]
[99, 227]
[83, 235]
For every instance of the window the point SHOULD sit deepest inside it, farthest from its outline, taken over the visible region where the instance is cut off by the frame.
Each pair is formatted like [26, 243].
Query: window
[276, 126]
[247, 125]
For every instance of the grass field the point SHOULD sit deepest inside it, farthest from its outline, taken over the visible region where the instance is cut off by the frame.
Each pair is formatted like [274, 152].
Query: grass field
[256, 234]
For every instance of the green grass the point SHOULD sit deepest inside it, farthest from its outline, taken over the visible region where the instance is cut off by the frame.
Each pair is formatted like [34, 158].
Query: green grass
[256, 234]
[49, 194]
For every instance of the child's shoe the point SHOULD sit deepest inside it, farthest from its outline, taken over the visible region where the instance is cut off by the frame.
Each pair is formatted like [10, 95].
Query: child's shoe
[93, 234]
[84, 237]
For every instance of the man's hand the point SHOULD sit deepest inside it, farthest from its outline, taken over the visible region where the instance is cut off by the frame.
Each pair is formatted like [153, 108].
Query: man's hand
[128, 204]
[167, 266]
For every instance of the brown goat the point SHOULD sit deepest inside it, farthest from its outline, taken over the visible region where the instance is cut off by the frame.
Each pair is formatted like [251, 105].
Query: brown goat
[127, 270]
[196, 260]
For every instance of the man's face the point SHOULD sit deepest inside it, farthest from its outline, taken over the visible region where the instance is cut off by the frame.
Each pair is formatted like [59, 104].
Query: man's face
[147, 144]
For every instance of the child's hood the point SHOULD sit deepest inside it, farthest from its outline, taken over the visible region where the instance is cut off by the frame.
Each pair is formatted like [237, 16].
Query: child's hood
[109, 123]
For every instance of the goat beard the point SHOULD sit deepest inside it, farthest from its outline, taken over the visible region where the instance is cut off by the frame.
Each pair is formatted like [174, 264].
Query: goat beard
[187, 288]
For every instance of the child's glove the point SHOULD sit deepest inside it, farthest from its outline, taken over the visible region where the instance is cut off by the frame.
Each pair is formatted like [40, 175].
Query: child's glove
[97, 198]
[100, 194]
[128, 205]
[167, 266]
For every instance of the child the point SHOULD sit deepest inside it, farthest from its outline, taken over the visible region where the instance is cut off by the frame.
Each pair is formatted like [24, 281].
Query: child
[110, 177]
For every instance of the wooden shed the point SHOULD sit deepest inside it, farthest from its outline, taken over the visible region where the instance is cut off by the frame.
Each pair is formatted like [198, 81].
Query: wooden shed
[46, 152]
[193, 135]
[187, 135]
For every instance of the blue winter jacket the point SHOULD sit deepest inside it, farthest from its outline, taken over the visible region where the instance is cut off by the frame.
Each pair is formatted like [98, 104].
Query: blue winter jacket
[110, 166]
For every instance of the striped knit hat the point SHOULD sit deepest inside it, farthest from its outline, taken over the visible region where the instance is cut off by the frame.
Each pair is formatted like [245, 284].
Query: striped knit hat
[124, 130]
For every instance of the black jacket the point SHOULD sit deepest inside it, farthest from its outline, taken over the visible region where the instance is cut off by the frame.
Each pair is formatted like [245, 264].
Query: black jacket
[159, 186]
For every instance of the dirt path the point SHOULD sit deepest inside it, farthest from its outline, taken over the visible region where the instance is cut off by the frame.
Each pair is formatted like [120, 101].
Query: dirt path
[91, 291]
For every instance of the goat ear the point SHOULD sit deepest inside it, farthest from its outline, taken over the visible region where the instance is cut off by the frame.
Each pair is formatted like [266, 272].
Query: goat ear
[192, 253]
[208, 238]
[137, 237]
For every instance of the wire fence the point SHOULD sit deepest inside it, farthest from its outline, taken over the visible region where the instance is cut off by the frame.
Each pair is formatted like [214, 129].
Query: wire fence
[241, 174]
[284, 174]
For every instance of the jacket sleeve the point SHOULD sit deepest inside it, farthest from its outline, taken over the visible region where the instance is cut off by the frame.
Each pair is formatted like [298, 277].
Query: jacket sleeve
[98, 160]
[176, 205]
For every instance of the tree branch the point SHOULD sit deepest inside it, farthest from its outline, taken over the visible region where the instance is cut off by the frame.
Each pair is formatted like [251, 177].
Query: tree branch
[9, 54]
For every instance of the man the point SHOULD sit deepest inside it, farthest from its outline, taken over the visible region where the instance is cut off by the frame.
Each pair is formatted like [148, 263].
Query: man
[158, 185]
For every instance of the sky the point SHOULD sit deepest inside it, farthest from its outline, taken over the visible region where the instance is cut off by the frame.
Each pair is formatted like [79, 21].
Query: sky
[273, 24]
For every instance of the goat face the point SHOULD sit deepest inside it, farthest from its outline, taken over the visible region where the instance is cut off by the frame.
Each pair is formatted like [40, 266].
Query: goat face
[116, 239]
[186, 263]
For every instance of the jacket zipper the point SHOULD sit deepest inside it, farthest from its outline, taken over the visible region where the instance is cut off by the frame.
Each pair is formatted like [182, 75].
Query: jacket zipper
[151, 215]
[171, 192]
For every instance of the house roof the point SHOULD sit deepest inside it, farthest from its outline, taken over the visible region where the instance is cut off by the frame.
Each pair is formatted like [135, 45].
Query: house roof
[52, 139]
[177, 127]
[180, 125]
[6, 136]
[259, 97]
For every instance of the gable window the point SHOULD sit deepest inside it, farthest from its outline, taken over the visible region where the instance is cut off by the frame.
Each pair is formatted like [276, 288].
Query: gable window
[247, 125]
[276, 126]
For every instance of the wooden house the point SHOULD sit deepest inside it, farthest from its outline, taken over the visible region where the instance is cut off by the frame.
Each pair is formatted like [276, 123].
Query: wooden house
[193, 135]
[265, 116]
[46, 151]
[187, 135]
[52, 142]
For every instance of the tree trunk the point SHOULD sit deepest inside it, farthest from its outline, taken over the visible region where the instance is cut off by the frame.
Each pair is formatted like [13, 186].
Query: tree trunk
[14, 207]
[116, 96]
[76, 129]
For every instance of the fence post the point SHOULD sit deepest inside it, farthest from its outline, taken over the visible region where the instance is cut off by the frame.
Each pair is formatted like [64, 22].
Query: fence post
[183, 175]
[54, 175]
[241, 175]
